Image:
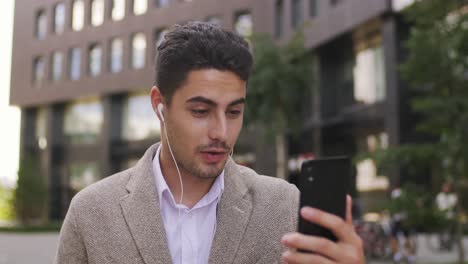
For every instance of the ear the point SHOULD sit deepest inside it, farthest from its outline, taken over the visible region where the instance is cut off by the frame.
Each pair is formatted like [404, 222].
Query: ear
[156, 99]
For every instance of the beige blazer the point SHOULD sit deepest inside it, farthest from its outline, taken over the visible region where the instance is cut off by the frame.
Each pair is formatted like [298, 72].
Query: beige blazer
[117, 219]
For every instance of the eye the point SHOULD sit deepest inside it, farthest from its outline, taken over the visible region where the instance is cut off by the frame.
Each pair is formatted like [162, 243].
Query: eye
[234, 113]
[199, 112]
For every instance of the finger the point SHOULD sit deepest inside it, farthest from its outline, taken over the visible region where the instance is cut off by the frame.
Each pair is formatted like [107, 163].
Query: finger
[349, 207]
[314, 244]
[291, 257]
[342, 230]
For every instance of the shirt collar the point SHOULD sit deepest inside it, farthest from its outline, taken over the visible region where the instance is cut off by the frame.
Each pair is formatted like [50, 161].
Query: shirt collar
[162, 188]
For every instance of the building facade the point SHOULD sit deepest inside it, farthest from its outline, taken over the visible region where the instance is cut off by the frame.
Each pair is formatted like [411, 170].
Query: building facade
[82, 71]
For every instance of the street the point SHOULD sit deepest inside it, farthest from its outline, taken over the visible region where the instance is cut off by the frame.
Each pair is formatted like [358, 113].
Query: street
[39, 248]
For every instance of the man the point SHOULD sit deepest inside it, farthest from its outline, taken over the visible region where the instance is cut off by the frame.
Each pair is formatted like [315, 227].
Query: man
[186, 201]
[446, 202]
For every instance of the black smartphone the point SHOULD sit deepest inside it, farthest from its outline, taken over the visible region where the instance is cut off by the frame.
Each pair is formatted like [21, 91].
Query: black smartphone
[324, 184]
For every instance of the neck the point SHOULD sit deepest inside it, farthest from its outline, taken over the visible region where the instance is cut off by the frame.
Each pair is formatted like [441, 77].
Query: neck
[194, 187]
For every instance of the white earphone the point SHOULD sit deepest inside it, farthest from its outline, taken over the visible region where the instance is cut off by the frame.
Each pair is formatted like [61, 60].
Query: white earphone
[160, 109]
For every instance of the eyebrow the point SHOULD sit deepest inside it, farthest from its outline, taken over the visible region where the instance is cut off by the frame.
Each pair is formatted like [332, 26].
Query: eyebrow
[201, 99]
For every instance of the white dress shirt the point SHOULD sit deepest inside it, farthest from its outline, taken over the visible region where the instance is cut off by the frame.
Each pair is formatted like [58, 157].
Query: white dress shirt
[189, 236]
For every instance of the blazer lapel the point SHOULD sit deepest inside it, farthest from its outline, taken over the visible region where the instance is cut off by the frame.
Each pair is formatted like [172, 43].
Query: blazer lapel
[233, 216]
[141, 212]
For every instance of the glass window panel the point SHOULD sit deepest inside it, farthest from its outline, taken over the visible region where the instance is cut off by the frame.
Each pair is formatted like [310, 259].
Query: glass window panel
[161, 3]
[398, 5]
[118, 9]
[116, 55]
[97, 12]
[368, 177]
[39, 70]
[369, 76]
[59, 18]
[78, 15]
[41, 127]
[243, 24]
[75, 63]
[279, 9]
[83, 174]
[313, 8]
[140, 6]
[216, 20]
[335, 2]
[296, 13]
[138, 50]
[41, 24]
[83, 121]
[139, 120]
[95, 59]
[57, 65]
[159, 37]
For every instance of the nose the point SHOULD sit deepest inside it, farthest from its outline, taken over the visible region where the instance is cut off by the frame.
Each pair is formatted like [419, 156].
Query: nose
[218, 128]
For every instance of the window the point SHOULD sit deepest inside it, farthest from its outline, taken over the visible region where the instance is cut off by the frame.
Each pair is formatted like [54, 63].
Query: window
[41, 24]
[95, 59]
[118, 9]
[335, 2]
[83, 121]
[296, 13]
[279, 18]
[59, 18]
[57, 66]
[75, 63]
[41, 127]
[215, 20]
[82, 174]
[368, 177]
[140, 6]
[138, 50]
[398, 5]
[78, 15]
[369, 76]
[39, 70]
[243, 24]
[313, 8]
[139, 119]
[158, 38]
[161, 3]
[116, 55]
[97, 12]
[369, 67]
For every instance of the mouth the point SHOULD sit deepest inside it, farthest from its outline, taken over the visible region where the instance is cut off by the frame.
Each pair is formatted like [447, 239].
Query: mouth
[214, 156]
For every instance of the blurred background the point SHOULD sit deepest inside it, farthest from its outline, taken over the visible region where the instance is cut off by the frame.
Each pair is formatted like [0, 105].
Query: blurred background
[381, 81]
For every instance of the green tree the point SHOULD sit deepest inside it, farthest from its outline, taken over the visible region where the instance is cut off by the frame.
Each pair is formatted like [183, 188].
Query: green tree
[31, 192]
[6, 204]
[276, 89]
[437, 71]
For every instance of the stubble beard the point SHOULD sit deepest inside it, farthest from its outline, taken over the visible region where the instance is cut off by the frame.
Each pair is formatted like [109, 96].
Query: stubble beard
[189, 165]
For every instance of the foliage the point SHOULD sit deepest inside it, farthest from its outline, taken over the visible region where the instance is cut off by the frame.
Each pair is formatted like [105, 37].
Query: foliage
[48, 227]
[6, 204]
[31, 192]
[279, 81]
[419, 207]
[437, 70]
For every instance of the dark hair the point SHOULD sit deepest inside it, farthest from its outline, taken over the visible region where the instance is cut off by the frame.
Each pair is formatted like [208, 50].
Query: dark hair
[195, 46]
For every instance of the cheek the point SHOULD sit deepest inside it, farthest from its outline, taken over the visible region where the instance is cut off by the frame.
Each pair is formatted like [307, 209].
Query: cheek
[234, 130]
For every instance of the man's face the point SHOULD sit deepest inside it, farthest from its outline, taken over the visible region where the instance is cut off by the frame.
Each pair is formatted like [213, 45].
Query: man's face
[204, 119]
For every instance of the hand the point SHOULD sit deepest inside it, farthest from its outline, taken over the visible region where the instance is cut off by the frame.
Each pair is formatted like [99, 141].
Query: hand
[347, 249]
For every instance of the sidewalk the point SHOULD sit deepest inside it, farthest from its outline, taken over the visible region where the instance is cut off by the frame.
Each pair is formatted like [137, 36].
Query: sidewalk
[39, 248]
[427, 256]
[25, 248]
